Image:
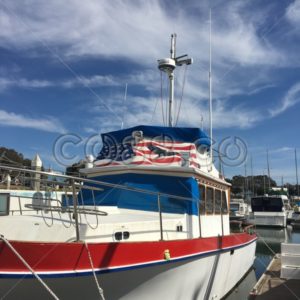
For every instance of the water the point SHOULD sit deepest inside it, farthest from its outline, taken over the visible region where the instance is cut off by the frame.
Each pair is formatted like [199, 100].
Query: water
[269, 243]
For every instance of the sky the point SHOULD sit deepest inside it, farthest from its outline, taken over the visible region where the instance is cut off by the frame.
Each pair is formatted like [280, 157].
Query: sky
[65, 65]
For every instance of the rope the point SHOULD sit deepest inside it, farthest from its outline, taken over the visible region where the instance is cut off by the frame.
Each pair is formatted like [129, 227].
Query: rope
[181, 98]
[152, 117]
[28, 266]
[161, 97]
[273, 273]
[262, 239]
[100, 290]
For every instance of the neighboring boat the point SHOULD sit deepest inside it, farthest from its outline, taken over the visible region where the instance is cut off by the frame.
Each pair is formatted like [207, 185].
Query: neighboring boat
[150, 220]
[296, 208]
[238, 209]
[269, 210]
[296, 225]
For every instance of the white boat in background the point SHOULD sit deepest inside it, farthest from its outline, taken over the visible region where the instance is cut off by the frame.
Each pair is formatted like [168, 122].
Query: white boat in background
[269, 211]
[149, 220]
[238, 209]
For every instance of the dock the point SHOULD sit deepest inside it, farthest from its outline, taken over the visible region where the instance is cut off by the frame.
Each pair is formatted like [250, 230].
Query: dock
[271, 287]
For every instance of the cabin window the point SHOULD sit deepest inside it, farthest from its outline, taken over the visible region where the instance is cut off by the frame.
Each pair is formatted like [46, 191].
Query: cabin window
[4, 204]
[217, 201]
[209, 201]
[119, 235]
[224, 203]
[202, 199]
[126, 235]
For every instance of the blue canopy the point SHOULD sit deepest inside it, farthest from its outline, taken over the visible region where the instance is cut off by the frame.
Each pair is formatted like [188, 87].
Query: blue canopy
[166, 185]
[176, 134]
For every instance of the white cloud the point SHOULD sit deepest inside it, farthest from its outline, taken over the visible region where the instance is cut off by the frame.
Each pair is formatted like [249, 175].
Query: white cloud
[93, 81]
[291, 98]
[293, 12]
[127, 30]
[135, 30]
[6, 83]
[149, 111]
[141, 78]
[282, 149]
[47, 123]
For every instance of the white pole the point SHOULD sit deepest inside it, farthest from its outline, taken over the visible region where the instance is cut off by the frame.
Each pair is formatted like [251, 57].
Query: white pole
[125, 96]
[171, 79]
[268, 165]
[210, 90]
[296, 164]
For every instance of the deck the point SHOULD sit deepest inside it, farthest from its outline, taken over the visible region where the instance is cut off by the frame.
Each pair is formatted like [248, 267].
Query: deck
[271, 287]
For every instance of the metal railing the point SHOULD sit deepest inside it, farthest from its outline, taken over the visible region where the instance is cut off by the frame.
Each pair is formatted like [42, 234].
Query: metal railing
[74, 185]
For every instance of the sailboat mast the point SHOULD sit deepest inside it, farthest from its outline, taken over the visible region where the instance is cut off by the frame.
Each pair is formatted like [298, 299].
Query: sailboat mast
[296, 164]
[124, 100]
[252, 176]
[210, 90]
[268, 165]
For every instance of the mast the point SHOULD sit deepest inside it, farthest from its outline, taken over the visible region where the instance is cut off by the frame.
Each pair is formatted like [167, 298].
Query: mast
[268, 165]
[168, 66]
[171, 78]
[264, 180]
[252, 177]
[210, 91]
[296, 165]
[124, 100]
[245, 182]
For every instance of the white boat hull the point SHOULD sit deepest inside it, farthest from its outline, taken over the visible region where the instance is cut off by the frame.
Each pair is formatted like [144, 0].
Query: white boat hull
[269, 219]
[204, 277]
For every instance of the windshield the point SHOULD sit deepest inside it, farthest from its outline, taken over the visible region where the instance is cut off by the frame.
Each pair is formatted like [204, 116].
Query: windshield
[234, 206]
[266, 204]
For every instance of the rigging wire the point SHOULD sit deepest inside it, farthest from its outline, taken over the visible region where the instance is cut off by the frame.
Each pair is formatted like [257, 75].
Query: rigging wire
[161, 97]
[156, 102]
[182, 91]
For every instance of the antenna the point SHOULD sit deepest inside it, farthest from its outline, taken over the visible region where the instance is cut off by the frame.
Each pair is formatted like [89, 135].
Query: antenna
[210, 90]
[124, 100]
[245, 182]
[168, 65]
[252, 177]
[268, 165]
[264, 180]
[296, 164]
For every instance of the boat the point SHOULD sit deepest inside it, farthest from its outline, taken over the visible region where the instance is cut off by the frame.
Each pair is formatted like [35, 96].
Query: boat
[149, 219]
[269, 210]
[238, 209]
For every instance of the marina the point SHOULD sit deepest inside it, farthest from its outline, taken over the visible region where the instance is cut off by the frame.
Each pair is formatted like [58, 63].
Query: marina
[131, 170]
[150, 209]
[265, 280]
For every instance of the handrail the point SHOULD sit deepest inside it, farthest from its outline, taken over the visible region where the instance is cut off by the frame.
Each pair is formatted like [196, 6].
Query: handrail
[66, 210]
[99, 183]
[76, 184]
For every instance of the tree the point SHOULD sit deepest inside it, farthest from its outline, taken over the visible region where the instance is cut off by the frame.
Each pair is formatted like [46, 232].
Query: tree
[13, 158]
[74, 169]
[255, 185]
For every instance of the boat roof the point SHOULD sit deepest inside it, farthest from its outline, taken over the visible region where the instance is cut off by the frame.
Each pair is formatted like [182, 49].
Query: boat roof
[175, 134]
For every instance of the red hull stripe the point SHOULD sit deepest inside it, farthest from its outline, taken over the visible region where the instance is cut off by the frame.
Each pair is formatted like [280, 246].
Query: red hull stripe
[71, 259]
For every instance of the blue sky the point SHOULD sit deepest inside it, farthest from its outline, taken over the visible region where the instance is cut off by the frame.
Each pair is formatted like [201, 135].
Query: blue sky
[64, 66]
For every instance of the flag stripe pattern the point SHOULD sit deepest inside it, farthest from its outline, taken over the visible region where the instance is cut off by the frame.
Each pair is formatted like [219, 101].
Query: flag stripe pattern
[149, 152]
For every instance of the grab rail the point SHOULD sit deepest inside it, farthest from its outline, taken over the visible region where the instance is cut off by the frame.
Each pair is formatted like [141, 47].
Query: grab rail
[78, 183]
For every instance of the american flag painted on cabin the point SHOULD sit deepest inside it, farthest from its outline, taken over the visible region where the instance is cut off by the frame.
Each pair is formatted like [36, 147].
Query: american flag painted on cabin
[149, 152]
